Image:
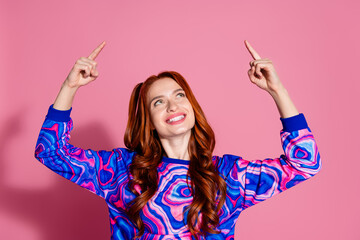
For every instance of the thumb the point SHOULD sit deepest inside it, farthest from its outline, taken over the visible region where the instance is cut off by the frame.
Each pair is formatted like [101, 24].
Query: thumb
[94, 73]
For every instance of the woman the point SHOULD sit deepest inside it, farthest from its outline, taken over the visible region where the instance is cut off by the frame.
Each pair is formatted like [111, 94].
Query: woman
[166, 184]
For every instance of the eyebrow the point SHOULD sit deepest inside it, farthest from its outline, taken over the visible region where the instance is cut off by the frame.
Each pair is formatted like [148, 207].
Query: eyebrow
[160, 96]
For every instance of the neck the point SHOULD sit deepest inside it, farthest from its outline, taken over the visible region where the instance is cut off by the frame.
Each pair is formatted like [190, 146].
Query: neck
[177, 147]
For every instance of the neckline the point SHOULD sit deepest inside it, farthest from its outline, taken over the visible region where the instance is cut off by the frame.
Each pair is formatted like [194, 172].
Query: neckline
[175, 160]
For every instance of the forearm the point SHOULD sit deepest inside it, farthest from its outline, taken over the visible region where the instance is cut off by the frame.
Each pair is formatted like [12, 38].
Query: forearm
[284, 104]
[65, 97]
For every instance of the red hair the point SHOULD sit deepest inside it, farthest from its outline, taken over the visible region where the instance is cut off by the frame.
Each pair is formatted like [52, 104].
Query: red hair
[207, 187]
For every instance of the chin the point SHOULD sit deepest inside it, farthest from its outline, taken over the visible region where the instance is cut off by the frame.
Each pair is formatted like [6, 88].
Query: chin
[176, 133]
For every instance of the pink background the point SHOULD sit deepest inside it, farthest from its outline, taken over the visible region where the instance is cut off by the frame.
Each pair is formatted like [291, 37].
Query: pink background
[314, 46]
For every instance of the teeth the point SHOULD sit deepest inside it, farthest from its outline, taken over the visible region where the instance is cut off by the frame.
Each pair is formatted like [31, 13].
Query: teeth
[176, 118]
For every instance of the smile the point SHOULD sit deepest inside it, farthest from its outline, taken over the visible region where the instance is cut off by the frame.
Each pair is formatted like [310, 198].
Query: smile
[176, 120]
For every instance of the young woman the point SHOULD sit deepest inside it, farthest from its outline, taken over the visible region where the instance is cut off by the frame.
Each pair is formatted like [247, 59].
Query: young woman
[166, 184]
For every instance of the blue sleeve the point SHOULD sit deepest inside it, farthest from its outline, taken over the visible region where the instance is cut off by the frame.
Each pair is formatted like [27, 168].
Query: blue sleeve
[58, 115]
[294, 123]
[252, 181]
[97, 171]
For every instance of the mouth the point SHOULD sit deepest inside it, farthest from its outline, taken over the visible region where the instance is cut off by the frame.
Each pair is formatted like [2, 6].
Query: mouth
[177, 119]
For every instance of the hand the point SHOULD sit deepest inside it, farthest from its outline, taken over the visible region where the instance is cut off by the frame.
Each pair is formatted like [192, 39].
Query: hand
[84, 70]
[262, 72]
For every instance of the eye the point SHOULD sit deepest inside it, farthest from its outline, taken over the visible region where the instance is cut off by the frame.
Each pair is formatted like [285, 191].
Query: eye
[181, 94]
[158, 101]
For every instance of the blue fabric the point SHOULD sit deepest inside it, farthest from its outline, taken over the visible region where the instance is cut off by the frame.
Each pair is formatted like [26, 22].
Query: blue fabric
[174, 160]
[58, 115]
[294, 123]
[106, 173]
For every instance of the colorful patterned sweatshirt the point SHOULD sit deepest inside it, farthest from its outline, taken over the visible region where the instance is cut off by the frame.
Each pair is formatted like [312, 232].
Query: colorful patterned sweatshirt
[106, 173]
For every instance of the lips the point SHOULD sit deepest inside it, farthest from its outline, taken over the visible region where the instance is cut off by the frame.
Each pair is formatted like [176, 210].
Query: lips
[174, 115]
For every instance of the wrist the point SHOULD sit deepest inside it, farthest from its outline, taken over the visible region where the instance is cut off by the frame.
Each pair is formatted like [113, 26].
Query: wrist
[284, 103]
[280, 91]
[66, 86]
[65, 97]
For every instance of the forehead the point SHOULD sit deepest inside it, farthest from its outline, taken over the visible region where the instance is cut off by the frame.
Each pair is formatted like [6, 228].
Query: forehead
[162, 86]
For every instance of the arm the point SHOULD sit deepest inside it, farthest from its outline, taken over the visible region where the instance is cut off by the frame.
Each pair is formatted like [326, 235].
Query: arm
[65, 97]
[262, 73]
[283, 102]
[83, 72]
[262, 179]
[96, 171]
[259, 180]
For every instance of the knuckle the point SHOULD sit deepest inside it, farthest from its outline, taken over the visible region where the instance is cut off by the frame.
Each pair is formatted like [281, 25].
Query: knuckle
[92, 62]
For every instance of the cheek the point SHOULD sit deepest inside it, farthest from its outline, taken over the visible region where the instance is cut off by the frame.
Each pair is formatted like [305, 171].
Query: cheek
[156, 116]
[193, 115]
[191, 110]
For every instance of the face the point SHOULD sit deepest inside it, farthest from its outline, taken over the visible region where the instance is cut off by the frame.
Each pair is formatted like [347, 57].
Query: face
[171, 112]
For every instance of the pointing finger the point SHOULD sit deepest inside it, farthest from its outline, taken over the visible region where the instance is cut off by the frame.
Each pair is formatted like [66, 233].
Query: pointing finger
[96, 52]
[252, 51]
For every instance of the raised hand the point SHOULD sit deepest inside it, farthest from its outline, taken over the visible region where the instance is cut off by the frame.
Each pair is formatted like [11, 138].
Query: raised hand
[262, 72]
[84, 70]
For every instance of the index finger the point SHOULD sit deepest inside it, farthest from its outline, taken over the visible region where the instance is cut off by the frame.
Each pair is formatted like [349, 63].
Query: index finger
[97, 50]
[253, 53]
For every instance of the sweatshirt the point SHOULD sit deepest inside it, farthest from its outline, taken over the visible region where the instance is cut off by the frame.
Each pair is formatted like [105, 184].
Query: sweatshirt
[106, 174]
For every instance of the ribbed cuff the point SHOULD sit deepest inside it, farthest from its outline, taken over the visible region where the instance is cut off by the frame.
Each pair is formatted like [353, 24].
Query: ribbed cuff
[294, 123]
[58, 115]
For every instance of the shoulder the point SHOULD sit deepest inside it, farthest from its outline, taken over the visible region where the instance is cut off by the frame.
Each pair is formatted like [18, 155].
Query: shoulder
[124, 155]
[225, 163]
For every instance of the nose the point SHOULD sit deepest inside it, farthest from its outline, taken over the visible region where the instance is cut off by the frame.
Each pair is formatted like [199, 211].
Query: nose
[172, 106]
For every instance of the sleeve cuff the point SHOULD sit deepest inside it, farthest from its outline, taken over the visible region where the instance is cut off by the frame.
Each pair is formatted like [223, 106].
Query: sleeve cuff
[294, 123]
[58, 115]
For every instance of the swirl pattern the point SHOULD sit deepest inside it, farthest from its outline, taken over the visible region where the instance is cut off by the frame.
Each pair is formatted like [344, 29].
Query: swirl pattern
[106, 173]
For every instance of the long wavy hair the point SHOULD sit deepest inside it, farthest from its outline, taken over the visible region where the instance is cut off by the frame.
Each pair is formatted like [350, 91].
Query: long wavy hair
[207, 187]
